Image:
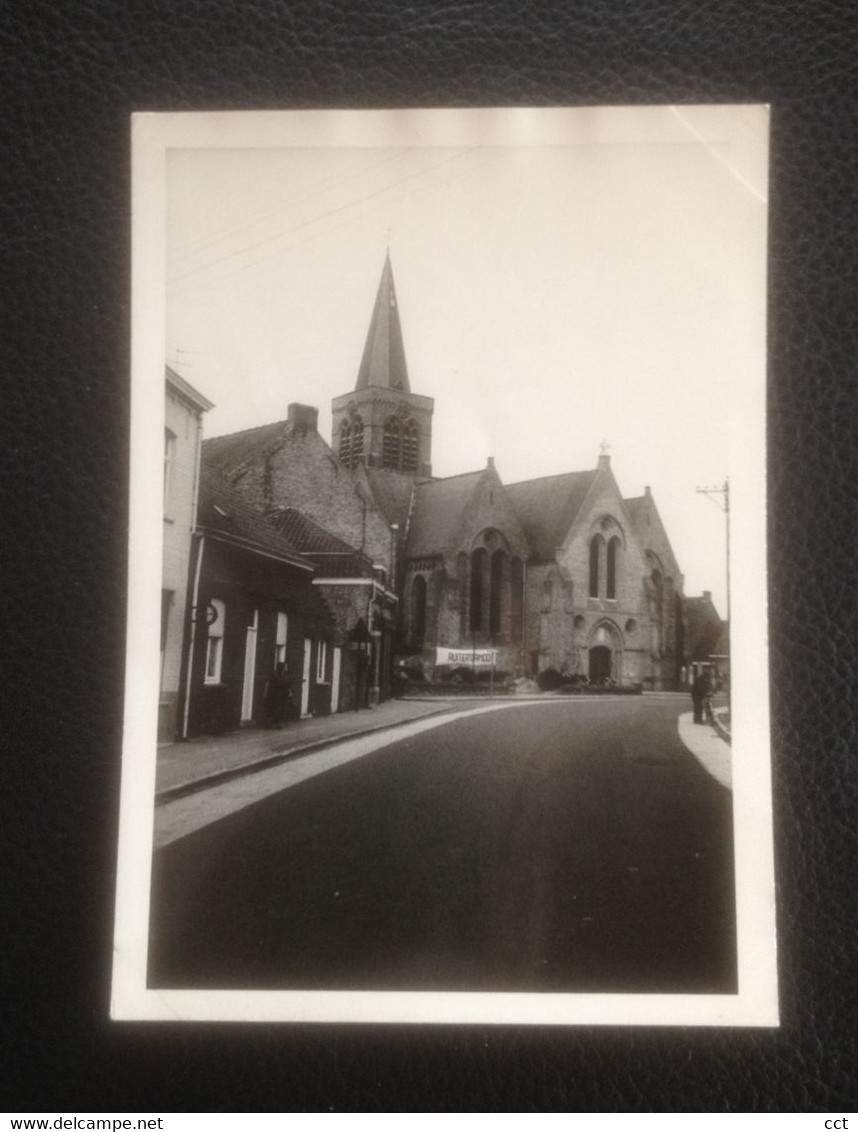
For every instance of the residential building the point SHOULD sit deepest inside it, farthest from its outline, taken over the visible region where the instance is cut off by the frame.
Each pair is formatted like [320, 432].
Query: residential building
[183, 426]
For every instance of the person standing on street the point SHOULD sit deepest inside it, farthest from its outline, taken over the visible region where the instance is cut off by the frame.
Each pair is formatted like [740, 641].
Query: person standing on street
[278, 695]
[706, 681]
[697, 696]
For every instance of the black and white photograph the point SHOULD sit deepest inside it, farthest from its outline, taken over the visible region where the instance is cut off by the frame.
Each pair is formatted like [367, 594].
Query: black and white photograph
[447, 679]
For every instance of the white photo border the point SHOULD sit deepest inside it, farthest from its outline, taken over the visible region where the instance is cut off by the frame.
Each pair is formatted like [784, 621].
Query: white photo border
[743, 130]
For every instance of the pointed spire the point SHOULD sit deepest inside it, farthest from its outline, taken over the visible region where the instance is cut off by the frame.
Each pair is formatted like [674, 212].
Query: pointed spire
[383, 362]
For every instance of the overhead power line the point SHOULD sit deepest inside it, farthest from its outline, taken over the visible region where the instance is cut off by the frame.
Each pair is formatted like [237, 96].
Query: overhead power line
[316, 219]
[194, 246]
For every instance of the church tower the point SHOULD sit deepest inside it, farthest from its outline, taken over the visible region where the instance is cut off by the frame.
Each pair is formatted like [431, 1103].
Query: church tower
[382, 424]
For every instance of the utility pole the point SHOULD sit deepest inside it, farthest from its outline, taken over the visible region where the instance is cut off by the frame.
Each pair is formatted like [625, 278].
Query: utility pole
[721, 497]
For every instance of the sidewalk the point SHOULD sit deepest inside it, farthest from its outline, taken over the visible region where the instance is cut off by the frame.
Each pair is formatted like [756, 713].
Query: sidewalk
[192, 765]
[707, 746]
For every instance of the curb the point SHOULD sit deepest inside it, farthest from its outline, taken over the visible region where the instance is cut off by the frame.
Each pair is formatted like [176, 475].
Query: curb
[278, 755]
[529, 697]
[721, 729]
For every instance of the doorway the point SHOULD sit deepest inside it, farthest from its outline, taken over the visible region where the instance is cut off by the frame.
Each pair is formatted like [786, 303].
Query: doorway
[305, 678]
[249, 669]
[335, 681]
[600, 664]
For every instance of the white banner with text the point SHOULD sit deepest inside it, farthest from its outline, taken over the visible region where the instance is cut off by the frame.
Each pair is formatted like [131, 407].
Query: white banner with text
[472, 658]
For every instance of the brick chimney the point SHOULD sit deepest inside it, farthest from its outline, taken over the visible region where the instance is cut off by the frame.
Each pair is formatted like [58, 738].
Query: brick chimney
[303, 418]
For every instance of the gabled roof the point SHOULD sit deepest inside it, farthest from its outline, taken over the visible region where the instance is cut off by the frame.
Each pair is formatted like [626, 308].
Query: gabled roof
[547, 507]
[438, 507]
[331, 555]
[184, 390]
[649, 529]
[227, 454]
[634, 507]
[223, 512]
[383, 361]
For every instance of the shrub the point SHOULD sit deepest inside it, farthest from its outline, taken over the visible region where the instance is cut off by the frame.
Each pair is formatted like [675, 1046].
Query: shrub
[484, 675]
[461, 675]
[549, 680]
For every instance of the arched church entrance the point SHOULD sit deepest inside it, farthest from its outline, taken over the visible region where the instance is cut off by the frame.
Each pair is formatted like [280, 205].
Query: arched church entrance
[600, 664]
[605, 654]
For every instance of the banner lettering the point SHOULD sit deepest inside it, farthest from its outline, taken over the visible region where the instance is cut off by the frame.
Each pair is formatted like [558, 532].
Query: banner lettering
[471, 658]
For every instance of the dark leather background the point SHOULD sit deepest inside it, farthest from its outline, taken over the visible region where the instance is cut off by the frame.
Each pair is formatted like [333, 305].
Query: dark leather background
[72, 73]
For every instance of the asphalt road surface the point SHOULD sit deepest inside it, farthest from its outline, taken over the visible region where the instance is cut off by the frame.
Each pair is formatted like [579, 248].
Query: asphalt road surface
[560, 846]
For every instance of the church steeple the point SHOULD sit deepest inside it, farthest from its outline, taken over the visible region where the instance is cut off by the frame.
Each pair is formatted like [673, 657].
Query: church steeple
[381, 424]
[383, 362]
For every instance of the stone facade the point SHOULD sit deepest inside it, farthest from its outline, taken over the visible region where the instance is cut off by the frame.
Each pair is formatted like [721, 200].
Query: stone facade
[563, 570]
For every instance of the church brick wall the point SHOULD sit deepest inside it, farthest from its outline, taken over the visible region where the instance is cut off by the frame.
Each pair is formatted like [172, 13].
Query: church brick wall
[447, 603]
[348, 604]
[374, 406]
[489, 509]
[550, 619]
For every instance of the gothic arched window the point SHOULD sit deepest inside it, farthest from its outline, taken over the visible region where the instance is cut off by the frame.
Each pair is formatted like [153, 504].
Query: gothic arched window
[547, 595]
[357, 441]
[496, 590]
[516, 582]
[657, 579]
[391, 444]
[596, 543]
[418, 610]
[479, 572]
[613, 552]
[463, 572]
[399, 444]
[345, 443]
[351, 442]
[409, 446]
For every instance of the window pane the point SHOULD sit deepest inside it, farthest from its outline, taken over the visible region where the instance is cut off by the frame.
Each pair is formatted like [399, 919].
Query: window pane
[594, 566]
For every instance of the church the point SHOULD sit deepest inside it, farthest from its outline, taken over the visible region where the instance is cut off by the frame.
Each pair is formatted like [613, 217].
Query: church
[561, 572]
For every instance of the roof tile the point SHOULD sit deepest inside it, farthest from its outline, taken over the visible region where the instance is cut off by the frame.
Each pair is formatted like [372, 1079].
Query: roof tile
[223, 511]
[547, 507]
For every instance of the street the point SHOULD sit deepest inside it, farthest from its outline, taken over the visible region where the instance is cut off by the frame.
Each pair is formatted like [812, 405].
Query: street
[568, 845]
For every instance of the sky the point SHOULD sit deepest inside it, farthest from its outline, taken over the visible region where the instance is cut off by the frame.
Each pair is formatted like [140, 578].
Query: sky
[598, 282]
